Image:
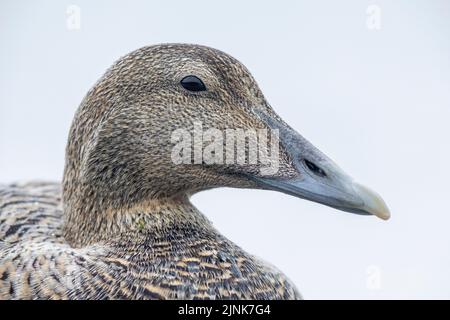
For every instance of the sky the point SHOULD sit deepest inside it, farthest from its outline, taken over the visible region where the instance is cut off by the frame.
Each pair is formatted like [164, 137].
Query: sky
[367, 82]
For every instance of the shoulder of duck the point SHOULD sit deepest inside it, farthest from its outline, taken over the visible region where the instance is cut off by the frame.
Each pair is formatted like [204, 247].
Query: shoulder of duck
[188, 264]
[29, 210]
[159, 268]
[36, 262]
[33, 252]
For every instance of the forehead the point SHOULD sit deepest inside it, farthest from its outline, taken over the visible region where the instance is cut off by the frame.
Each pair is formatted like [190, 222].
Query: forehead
[198, 57]
[174, 61]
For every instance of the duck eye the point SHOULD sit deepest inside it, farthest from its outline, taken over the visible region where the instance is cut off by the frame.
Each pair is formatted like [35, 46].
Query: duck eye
[192, 83]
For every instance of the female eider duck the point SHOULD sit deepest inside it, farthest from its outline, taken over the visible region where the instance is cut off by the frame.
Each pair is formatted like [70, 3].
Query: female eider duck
[122, 225]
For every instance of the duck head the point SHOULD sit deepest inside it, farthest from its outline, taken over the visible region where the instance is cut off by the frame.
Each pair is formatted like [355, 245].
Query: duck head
[157, 124]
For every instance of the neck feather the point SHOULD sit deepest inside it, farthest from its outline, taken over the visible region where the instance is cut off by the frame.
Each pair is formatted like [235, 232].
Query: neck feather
[86, 222]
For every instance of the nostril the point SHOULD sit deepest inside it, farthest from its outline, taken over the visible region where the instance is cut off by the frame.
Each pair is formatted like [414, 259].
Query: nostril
[314, 168]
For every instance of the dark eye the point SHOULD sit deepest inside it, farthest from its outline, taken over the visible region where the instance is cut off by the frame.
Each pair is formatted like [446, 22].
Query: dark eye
[192, 83]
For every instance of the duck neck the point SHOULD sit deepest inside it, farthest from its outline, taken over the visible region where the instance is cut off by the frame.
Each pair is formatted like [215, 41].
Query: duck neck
[87, 222]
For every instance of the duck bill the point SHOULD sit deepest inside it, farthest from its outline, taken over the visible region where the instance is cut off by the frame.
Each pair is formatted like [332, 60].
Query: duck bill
[353, 197]
[319, 179]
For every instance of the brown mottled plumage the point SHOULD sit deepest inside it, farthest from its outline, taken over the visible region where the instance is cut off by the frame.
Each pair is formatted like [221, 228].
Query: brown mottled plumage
[122, 227]
[125, 228]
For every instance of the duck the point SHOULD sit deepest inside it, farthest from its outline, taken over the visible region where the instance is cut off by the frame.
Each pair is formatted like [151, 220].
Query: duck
[121, 224]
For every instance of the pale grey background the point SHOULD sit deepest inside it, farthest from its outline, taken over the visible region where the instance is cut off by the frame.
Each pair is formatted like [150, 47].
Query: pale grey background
[377, 102]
